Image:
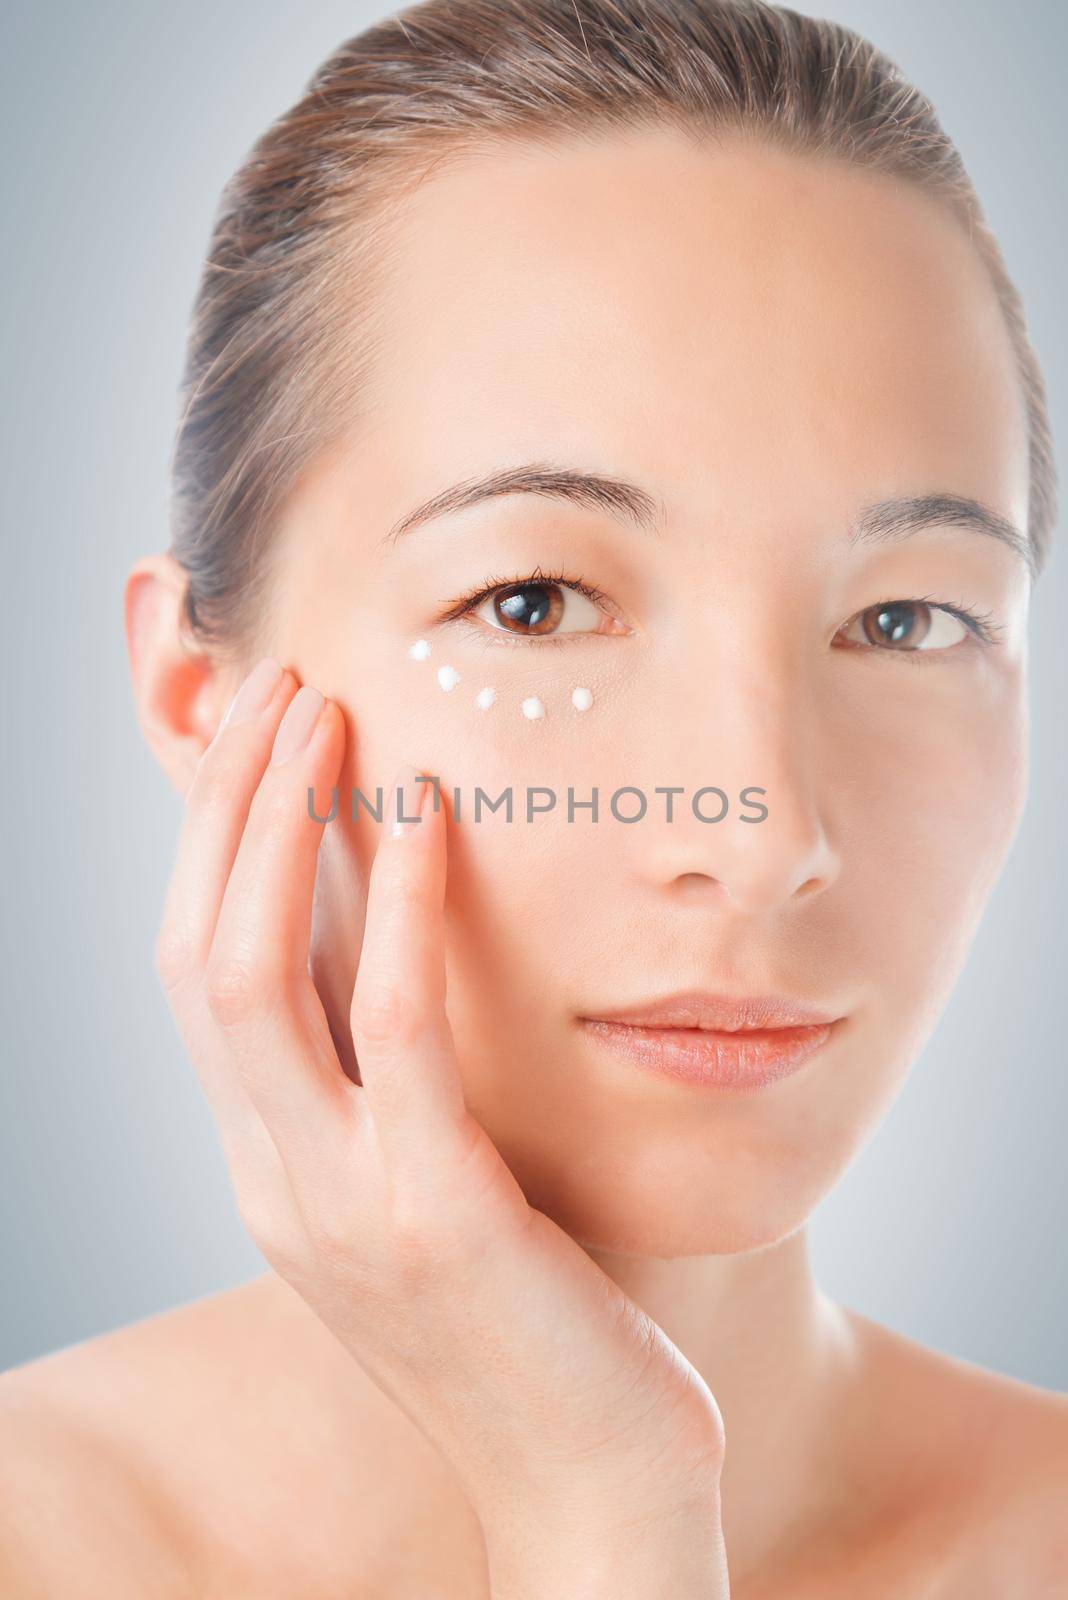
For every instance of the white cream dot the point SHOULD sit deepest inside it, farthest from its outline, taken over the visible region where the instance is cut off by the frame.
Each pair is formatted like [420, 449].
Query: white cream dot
[448, 677]
[581, 699]
[485, 697]
[532, 707]
[419, 650]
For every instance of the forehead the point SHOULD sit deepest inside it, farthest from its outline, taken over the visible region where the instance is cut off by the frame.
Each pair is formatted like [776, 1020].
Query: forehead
[729, 321]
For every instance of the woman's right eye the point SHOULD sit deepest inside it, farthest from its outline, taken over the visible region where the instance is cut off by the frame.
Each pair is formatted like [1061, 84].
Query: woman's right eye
[537, 608]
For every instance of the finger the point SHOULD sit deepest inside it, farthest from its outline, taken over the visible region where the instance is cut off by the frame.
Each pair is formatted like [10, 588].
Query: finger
[216, 811]
[403, 1042]
[258, 986]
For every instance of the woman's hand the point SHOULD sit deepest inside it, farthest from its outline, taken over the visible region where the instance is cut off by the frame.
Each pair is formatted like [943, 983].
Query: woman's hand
[589, 1447]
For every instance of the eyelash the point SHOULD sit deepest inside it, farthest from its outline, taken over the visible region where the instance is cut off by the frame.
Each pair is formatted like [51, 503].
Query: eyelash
[458, 609]
[981, 623]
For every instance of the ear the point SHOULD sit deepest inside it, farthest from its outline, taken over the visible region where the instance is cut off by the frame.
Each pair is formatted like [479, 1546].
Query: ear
[181, 691]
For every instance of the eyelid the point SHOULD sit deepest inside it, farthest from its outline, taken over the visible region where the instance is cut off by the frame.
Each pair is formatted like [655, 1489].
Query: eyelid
[465, 604]
[981, 624]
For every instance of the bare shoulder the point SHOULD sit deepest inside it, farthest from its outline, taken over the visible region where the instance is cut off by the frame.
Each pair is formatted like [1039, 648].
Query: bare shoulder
[986, 1454]
[1018, 1528]
[80, 1503]
[224, 1449]
[125, 1458]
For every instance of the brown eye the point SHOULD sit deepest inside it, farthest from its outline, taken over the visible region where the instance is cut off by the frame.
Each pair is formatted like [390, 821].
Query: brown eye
[528, 607]
[907, 625]
[532, 609]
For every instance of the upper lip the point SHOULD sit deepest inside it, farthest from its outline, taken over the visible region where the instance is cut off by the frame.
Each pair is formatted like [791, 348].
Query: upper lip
[720, 1013]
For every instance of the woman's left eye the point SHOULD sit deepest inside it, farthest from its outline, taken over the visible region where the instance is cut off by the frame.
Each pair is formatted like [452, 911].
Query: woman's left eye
[534, 608]
[908, 626]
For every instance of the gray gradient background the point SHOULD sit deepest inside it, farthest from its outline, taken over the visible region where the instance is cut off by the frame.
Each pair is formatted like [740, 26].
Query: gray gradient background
[123, 120]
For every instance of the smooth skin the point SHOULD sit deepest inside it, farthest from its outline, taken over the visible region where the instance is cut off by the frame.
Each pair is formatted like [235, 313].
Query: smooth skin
[765, 345]
[578, 1430]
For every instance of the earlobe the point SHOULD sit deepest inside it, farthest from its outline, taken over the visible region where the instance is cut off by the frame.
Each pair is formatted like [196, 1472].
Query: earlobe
[177, 686]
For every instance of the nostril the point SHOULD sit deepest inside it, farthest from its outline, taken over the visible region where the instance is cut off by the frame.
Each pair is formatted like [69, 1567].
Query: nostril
[696, 882]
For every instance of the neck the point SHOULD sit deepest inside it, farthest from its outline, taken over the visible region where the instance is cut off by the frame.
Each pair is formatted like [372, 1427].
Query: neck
[777, 1354]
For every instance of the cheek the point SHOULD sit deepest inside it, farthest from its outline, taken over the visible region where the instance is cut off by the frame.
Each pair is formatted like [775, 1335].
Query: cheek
[502, 688]
[950, 788]
[536, 725]
[928, 807]
[464, 713]
[489, 716]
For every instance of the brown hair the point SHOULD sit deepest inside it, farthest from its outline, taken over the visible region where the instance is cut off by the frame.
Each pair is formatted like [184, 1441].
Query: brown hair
[283, 332]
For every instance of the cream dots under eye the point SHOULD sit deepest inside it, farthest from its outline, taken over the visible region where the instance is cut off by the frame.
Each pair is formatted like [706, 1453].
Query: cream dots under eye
[532, 707]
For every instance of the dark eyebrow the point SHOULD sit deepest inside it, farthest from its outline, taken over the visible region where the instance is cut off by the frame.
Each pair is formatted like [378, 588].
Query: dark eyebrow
[589, 489]
[881, 521]
[899, 518]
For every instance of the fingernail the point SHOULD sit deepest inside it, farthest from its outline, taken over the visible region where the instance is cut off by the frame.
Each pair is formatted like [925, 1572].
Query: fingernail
[295, 728]
[255, 693]
[405, 802]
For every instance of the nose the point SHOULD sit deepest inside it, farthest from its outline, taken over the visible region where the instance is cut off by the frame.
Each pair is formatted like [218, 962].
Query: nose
[747, 726]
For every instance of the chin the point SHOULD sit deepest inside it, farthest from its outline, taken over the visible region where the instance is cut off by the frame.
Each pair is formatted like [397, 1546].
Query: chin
[626, 1214]
[680, 1237]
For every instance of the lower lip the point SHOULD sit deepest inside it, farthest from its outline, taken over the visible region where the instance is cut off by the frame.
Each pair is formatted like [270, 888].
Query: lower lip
[743, 1060]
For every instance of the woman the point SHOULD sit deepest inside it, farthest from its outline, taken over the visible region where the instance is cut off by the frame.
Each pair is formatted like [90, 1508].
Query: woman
[583, 398]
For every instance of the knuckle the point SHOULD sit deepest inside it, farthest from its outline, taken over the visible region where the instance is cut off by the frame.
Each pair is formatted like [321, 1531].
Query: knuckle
[269, 1223]
[261, 1224]
[332, 1239]
[393, 1266]
[383, 1014]
[278, 1245]
[234, 992]
[426, 1244]
[417, 1260]
[406, 1261]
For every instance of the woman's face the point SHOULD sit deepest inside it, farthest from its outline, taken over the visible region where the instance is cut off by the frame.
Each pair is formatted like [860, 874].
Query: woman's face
[764, 346]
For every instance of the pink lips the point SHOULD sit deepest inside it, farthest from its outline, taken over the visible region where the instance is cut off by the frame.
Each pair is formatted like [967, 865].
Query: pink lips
[723, 1041]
